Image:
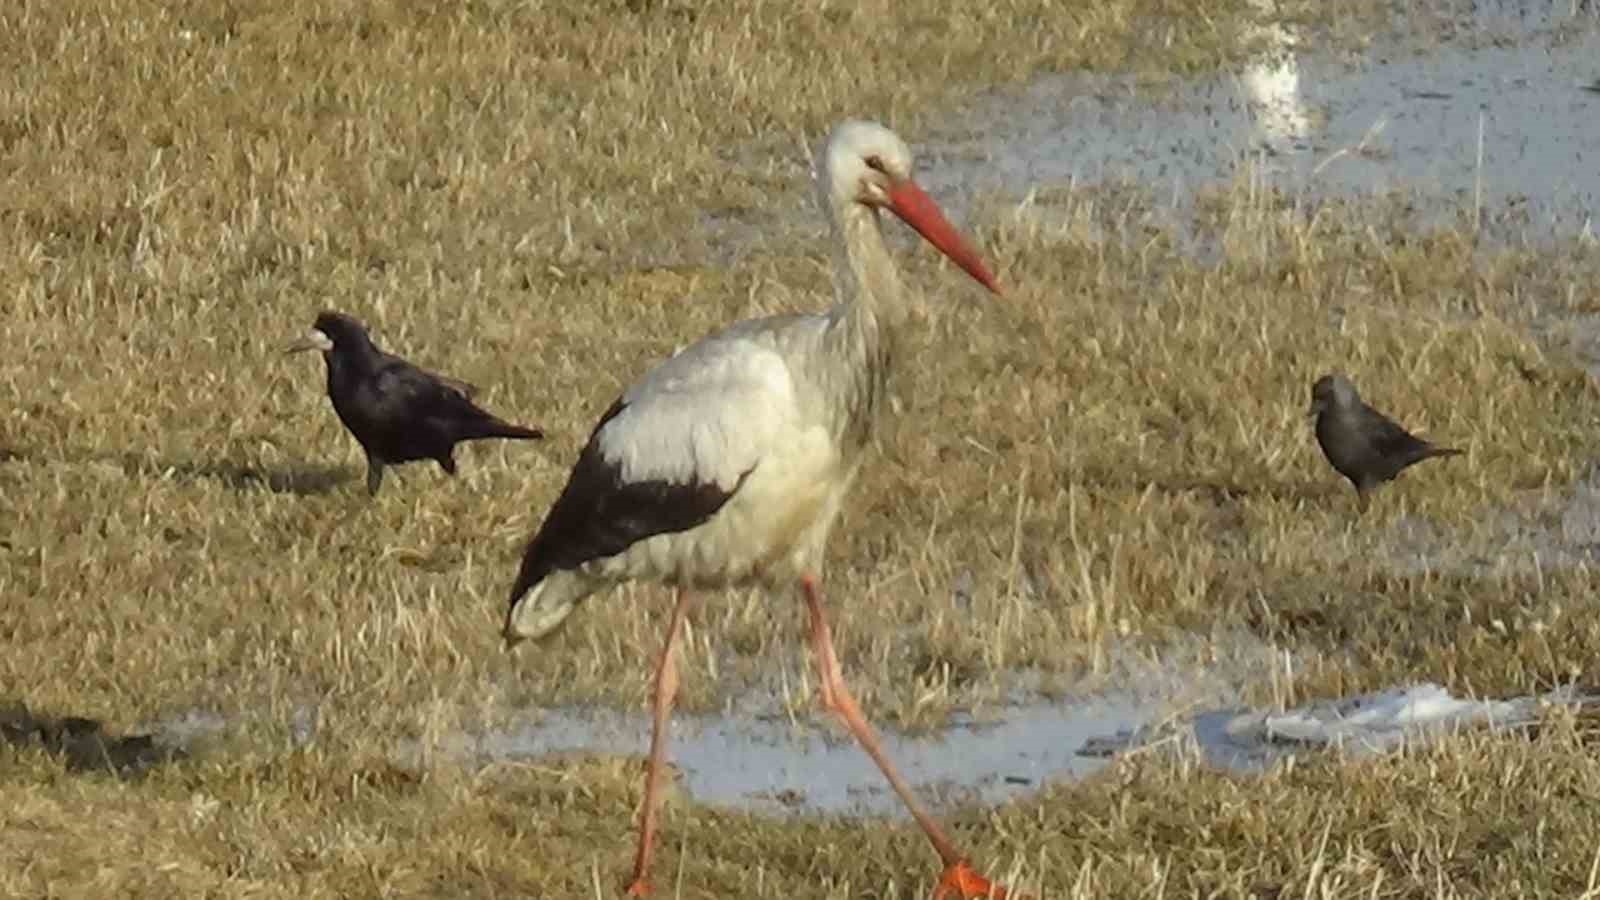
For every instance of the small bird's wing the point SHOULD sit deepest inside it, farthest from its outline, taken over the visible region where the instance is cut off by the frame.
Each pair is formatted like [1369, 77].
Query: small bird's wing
[670, 452]
[1389, 439]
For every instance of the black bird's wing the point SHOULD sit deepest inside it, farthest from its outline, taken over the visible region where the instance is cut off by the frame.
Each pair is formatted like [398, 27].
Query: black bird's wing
[1395, 447]
[435, 410]
[1388, 438]
[400, 390]
[465, 389]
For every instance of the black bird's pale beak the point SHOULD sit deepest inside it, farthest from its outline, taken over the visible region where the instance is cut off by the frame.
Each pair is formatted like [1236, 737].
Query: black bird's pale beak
[314, 340]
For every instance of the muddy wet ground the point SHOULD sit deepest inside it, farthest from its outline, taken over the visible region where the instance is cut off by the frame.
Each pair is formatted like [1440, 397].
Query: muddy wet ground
[84, 745]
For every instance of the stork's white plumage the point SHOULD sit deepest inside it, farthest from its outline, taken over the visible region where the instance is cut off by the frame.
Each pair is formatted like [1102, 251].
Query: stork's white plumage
[728, 463]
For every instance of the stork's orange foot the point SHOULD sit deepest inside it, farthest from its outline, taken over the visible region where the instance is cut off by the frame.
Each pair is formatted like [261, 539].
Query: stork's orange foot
[960, 881]
[637, 888]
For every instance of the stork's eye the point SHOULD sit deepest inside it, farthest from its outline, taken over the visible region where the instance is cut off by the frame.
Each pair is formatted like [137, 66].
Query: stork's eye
[876, 164]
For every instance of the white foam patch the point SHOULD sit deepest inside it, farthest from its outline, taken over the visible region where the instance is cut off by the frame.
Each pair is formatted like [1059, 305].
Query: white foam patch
[1362, 725]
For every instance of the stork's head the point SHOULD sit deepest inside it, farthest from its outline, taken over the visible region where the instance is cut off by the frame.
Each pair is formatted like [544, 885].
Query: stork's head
[1333, 392]
[861, 161]
[332, 330]
[866, 164]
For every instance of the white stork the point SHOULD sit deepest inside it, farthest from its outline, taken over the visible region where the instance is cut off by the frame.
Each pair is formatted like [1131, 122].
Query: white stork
[727, 464]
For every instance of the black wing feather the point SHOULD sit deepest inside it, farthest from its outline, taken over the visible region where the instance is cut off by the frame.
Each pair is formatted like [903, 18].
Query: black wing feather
[1388, 437]
[599, 515]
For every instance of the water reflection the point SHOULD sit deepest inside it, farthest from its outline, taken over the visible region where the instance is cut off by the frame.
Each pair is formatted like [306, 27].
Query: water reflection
[1271, 81]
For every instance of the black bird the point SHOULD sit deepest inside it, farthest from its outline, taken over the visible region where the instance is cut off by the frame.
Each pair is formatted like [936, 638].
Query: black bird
[398, 412]
[1361, 443]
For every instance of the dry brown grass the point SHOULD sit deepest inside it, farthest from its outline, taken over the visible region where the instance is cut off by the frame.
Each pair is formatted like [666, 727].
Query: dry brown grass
[544, 198]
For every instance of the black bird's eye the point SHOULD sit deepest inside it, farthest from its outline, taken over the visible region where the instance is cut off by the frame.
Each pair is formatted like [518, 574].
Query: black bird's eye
[876, 163]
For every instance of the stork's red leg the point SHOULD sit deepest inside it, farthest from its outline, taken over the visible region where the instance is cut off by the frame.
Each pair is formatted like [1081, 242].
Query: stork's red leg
[958, 879]
[661, 709]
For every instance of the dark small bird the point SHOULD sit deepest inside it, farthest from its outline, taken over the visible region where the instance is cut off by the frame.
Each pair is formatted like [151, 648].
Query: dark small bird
[398, 412]
[1361, 443]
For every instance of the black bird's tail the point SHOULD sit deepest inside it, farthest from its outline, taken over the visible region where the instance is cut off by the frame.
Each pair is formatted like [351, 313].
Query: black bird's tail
[490, 427]
[1425, 452]
[485, 425]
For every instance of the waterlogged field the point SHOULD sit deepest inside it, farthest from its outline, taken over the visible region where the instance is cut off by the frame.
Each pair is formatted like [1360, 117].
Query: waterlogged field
[1110, 461]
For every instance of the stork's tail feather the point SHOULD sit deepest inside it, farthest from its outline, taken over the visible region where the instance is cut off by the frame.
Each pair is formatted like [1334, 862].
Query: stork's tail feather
[539, 607]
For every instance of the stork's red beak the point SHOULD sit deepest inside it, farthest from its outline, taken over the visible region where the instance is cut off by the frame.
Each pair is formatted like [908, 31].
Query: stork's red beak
[918, 210]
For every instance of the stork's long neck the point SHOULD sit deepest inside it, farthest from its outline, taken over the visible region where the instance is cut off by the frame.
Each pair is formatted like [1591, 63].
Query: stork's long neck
[871, 306]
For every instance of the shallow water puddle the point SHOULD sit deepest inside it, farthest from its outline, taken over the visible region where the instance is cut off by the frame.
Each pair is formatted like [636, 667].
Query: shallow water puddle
[775, 766]
[1391, 119]
[757, 758]
[1189, 709]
